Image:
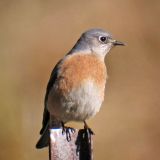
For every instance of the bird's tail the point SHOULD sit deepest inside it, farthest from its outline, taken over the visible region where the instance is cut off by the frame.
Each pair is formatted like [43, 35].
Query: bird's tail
[44, 139]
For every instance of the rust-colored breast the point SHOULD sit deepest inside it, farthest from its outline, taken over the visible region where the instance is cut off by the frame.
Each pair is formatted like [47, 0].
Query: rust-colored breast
[77, 68]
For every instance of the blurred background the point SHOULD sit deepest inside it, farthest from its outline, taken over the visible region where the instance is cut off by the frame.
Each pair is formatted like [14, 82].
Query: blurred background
[34, 35]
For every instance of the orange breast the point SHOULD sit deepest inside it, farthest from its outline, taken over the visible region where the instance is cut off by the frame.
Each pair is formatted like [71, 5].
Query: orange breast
[78, 68]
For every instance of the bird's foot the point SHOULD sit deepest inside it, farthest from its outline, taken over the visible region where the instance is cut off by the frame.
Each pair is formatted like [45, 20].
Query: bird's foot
[88, 129]
[68, 131]
[87, 132]
[84, 142]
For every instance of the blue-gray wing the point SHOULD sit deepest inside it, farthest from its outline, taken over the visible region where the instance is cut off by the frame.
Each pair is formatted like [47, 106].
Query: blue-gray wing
[44, 139]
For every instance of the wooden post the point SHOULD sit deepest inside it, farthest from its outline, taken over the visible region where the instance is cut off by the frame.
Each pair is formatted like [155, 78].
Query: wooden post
[78, 148]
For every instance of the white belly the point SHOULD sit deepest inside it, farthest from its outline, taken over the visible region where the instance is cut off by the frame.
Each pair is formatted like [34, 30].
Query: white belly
[80, 104]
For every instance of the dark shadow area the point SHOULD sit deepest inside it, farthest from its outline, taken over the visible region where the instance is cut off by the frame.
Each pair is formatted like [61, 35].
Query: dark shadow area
[84, 144]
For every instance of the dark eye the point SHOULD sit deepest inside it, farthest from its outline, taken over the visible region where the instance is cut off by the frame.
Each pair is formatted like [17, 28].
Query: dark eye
[102, 39]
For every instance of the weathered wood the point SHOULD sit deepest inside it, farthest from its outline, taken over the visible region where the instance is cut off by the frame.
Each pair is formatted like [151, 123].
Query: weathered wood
[78, 148]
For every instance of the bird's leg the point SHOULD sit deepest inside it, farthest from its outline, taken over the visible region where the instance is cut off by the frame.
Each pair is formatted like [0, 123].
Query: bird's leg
[86, 127]
[63, 128]
[68, 131]
[84, 142]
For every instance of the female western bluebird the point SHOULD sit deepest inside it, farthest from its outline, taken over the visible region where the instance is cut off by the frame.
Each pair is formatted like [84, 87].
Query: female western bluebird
[76, 87]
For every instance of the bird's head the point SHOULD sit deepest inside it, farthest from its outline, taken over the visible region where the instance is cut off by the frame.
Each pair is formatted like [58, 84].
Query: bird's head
[96, 41]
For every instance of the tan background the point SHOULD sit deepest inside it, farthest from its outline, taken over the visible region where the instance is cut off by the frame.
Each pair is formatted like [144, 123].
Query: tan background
[34, 35]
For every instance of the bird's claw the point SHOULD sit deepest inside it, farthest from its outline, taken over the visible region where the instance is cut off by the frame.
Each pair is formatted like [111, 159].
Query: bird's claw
[88, 130]
[68, 131]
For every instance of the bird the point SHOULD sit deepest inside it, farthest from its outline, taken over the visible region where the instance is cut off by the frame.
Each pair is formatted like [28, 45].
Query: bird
[75, 90]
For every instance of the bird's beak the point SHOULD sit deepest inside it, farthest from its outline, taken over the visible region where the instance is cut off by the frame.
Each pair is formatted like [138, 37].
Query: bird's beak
[117, 43]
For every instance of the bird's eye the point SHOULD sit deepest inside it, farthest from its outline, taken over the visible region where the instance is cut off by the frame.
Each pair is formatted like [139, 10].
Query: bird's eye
[102, 39]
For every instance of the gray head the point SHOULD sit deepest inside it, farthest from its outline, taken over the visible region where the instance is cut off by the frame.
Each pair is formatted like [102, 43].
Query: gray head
[96, 41]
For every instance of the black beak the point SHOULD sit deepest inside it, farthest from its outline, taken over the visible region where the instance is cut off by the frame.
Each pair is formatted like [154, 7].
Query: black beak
[118, 43]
